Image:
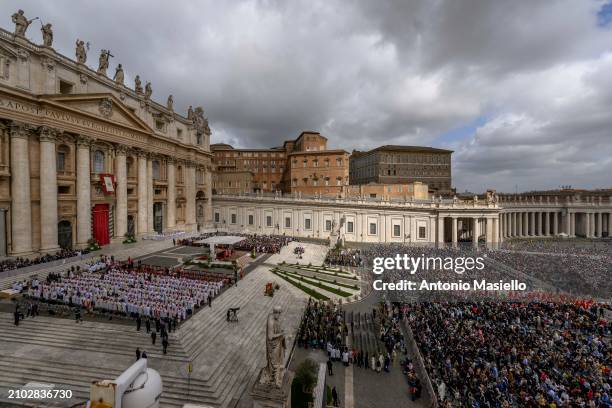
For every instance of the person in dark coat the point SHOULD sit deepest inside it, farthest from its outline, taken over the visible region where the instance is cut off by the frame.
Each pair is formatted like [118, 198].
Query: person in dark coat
[138, 322]
[148, 325]
[165, 344]
[144, 354]
[153, 337]
[335, 397]
[137, 353]
[330, 367]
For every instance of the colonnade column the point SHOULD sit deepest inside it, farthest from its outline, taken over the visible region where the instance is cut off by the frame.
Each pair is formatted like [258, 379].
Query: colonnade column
[587, 230]
[454, 230]
[48, 191]
[83, 191]
[440, 230]
[150, 194]
[21, 204]
[555, 223]
[142, 194]
[513, 224]
[573, 224]
[190, 196]
[609, 224]
[475, 231]
[171, 176]
[547, 223]
[495, 227]
[122, 204]
[599, 233]
[539, 226]
[532, 226]
[208, 210]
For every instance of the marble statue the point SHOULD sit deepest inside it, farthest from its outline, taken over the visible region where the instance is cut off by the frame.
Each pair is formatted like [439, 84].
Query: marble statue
[272, 374]
[21, 23]
[47, 34]
[119, 75]
[81, 53]
[103, 61]
[138, 84]
[148, 90]
[170, 103]
[190, 113]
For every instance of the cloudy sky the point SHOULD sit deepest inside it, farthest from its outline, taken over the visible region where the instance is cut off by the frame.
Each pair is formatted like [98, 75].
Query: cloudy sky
[521, 90]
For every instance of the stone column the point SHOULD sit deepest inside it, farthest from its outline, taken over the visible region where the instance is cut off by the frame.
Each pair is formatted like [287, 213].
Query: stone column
[495, 227]
[171, 224]
[440, 230]
[532, 226]
[122, 202]
[21, 202]
[609, 224]
[513, 232]
[555, 223]
[454, 239]
[525, 224]
[190, 196]
[540, 223]
[83, 191]
[519, 224]
[48, 191]
[150, 195]
[598, 233]
[208, 209]
[488, 230]
[143, 216]
[573, 224]
[475, 231]
[587, 224]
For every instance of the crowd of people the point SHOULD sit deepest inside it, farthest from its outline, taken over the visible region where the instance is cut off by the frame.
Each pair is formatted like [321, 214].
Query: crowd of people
[505, 354]
[560, 246]
[270, 244]
[16, 263]
[344, 257]
[121, 289]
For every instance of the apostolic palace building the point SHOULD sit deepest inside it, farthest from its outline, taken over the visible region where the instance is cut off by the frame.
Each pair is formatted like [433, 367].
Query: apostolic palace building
[83, 156]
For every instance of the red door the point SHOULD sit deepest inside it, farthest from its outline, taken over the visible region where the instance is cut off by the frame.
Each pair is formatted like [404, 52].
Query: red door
[100, 224]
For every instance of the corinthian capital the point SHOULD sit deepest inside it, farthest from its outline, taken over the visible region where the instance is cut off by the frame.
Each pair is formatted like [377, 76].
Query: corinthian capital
[48, 134]
[121, 149]
[84, 141]
[20, 130]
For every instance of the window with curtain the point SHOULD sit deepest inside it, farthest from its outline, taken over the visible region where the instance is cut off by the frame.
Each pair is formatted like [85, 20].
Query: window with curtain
[98, 161]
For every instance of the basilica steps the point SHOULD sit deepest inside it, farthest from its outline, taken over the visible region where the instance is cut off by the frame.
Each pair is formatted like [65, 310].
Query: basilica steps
[89, 336]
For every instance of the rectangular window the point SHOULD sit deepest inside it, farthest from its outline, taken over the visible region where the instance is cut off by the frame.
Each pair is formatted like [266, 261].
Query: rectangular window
[65, 87]
[216, 217]
[268, 220]
[307, 225]
[61, 161]
[251, 219]
[372, 228]
[287, 222]
[422, 233]
[233, 218]
[328, 225]
[396, 231]
[349, 226]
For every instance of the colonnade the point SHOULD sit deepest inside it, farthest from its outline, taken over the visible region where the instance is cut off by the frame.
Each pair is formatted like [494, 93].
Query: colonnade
[589, 223]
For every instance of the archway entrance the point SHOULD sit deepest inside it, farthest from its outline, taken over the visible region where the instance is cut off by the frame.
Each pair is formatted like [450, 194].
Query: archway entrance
[64, 234]
[158, 217]
[100, 224]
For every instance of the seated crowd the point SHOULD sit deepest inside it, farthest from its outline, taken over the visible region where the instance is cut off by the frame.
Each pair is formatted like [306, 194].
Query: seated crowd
[344, 257]
[16, 263]
[112, 287]
[270, 244]
[506, 354]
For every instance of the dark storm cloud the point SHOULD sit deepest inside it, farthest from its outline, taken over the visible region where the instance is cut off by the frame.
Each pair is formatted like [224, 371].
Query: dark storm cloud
[366, 73]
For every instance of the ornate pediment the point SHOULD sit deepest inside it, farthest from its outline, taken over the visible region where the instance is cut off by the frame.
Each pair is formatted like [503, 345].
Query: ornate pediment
[104, 106]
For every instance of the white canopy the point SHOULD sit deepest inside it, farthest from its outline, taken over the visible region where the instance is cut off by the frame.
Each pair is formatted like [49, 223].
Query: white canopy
[221, 240]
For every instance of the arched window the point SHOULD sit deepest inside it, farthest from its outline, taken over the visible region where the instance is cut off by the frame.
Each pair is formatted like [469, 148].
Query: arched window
[98, 165]
[200, 211]
[155, 166]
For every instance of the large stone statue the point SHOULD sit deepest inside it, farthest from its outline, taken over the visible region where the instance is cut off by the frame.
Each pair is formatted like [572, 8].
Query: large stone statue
[81, 53]
[103, 61]
[119, 75]
[21, 23]
[200, 122]
[138, 84]
[47, 34]
[272, 374]
[148, 90]
[170, 103]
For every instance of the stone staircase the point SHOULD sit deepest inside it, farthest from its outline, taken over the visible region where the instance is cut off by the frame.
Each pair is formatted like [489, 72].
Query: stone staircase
[226, 357]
